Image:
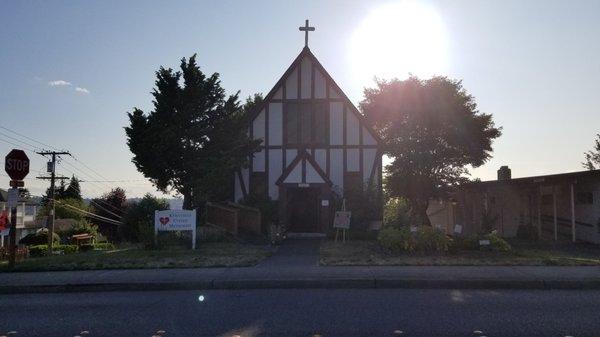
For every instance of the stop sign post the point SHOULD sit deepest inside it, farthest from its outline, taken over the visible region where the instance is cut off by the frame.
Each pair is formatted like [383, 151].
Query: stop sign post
[16, 165]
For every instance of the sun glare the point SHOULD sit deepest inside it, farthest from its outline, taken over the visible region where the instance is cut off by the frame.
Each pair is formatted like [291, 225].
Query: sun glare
[397, 39]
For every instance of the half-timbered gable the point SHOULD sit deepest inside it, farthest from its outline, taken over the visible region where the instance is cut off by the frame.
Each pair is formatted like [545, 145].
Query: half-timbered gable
[315, 142]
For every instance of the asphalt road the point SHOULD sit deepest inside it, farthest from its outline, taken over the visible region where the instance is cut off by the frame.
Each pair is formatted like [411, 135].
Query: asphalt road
[328, 312]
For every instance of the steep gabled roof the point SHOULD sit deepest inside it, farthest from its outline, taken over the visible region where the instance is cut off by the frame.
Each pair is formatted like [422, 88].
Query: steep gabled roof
[306, 52]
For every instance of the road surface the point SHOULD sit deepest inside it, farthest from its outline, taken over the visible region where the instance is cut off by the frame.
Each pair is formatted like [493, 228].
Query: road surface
[328, 312]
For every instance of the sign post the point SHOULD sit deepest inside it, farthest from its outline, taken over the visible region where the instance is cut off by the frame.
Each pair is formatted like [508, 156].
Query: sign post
[175, 220]
[342, 221]
[16, 165]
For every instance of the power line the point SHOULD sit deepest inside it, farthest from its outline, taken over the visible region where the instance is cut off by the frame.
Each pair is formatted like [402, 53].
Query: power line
[90, 214]
[112, 206]
[114, 181]
[17, 145]
[33, 148]
[26, 137]
[18, 140]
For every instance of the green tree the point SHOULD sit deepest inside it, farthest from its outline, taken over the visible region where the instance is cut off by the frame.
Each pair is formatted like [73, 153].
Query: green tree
[66, 209]
[432, 130]
[111, 205]
[592, 157]
[59, 192]
[193, 140]
[138, 222]
[73, 190]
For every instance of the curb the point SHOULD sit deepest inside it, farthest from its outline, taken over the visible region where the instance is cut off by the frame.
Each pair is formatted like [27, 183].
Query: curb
[363, 283]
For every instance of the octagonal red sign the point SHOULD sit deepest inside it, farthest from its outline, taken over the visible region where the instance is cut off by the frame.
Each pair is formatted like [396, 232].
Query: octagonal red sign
[16, 164]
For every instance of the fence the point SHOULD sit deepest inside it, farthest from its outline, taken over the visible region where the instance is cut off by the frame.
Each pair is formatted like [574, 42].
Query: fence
[234, 217]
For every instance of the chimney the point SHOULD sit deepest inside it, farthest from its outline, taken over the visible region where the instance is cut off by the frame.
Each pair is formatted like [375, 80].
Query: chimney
[504, 173]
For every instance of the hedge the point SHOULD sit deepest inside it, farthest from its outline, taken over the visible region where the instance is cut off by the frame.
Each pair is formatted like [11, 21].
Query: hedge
[42, 250]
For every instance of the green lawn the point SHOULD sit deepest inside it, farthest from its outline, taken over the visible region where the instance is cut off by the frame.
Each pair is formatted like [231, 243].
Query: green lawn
[368, 253]
[206, 255]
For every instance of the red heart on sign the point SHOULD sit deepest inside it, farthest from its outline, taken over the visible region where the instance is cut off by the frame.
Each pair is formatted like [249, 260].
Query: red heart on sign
[164, 220]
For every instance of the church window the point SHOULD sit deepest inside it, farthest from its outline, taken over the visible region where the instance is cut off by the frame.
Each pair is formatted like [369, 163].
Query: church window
[306, 123]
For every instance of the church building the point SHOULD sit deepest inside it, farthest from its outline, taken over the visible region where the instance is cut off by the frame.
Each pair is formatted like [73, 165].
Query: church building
[316, 144]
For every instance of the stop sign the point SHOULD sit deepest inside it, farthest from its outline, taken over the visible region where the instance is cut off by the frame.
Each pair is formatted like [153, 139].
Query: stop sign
[16, 164]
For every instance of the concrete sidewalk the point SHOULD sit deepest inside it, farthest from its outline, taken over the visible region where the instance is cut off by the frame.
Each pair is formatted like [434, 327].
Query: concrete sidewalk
[455, 277]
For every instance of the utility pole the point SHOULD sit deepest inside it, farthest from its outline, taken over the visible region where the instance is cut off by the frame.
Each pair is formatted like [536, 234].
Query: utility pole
[52, 178]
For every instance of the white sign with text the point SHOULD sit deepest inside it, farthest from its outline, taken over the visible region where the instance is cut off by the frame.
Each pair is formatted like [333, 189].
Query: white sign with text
[176, 220]
[342, 219]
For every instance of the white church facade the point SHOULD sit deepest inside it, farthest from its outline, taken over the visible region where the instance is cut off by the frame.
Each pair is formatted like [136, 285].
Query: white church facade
[315, 145]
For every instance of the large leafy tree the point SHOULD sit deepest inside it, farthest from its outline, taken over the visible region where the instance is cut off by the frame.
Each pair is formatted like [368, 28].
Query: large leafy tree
[193, 139]
[432, 130]
[592, 157]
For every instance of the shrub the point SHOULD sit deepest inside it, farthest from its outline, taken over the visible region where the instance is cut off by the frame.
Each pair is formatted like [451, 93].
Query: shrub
[138, 222]
[364, 203]
[429, 239]
[65, 249]
[497, 243]
[471, 242]
[396, 213]
[210, 234]
[104, 246]
[82, 227]
[38, 250]
[397, 240]
[425, 239]
[39, 238]
[86, 247]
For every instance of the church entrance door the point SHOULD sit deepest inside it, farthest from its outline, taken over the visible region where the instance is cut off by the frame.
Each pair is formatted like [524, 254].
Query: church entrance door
[303, 210]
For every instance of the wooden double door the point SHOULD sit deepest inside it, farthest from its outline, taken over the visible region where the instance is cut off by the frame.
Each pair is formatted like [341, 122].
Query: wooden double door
[303, 210]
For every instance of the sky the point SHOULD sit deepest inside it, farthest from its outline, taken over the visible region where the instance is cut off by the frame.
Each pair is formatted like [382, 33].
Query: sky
[70, 70]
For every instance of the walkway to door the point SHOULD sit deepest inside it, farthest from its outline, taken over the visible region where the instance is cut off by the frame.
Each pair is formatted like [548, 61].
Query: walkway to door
[301, 252]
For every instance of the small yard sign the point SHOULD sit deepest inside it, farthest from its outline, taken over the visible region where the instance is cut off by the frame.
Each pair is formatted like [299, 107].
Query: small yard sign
[176, 220]
[457, 229]
[342, 219]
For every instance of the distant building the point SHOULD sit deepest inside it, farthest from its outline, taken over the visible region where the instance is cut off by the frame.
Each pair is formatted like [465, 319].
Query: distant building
[562, 206]
[26, 213]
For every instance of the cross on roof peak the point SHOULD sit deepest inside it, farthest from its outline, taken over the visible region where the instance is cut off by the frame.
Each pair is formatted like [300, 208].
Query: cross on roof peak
[306, 28]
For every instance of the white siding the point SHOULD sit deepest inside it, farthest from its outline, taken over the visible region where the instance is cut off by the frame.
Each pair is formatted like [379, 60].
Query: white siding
[291, 85]
[353, 160]
[336, 123]
[238, 188]
[311, 174]
[258, 162]
[275, 123]
[295, 176]
[336, 162]
[367, 137]
[320, 156]
[279, 93]
[320, 85]
[258, 126]
[352, 128]
[368, 159]
[333, 93]
[275, 171]
[290, 155]
[305, 79]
